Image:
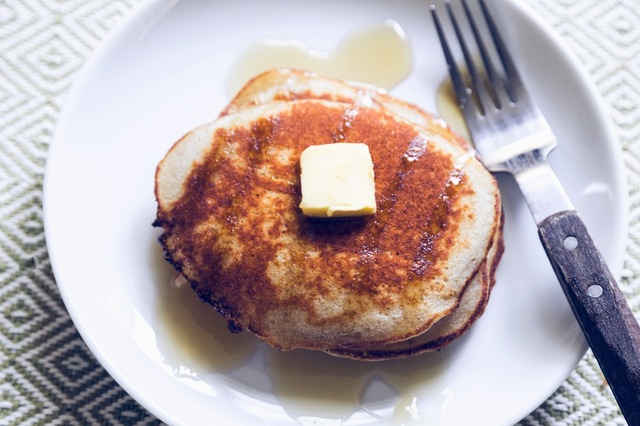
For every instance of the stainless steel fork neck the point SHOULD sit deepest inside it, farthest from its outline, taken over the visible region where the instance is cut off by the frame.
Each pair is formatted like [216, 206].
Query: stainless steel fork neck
[541, 189]
[526, 160]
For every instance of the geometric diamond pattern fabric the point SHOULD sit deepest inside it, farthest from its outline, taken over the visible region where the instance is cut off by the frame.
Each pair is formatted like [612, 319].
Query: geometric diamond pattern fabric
[47, 374]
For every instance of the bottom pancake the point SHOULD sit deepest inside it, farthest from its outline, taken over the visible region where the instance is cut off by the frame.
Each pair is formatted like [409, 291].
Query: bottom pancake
[472, 305]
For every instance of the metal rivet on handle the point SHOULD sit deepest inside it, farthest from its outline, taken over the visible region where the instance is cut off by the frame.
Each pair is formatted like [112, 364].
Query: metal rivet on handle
[595, 291]
[570, 243]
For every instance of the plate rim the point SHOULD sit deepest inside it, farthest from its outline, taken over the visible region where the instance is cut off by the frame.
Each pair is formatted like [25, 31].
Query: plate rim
[145, 13]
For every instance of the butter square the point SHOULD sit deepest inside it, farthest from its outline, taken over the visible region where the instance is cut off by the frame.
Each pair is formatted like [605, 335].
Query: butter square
[337, 180]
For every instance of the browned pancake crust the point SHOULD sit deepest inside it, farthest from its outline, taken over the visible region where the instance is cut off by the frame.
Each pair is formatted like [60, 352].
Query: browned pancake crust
[374, 260]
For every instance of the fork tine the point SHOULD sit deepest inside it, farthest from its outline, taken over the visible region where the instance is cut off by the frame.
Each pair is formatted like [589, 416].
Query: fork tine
[502, 87]
[513, 83]
[476, 79]
[462, 95]
[489, 68]
[477, 92]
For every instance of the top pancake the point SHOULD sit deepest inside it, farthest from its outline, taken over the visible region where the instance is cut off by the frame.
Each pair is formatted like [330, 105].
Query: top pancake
[227, 200]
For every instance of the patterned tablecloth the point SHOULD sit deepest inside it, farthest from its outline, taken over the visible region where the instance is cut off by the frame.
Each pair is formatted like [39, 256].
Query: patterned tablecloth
[47, 374]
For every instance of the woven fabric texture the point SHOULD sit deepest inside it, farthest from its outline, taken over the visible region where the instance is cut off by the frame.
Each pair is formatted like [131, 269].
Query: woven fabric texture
[47, 374]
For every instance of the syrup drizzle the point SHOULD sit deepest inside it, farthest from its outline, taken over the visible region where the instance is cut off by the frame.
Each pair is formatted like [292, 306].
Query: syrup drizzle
[379, 55]
[436, 223]
[415, 150]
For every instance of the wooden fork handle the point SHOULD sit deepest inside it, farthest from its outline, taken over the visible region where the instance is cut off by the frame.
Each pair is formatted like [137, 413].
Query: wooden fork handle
[599, 306]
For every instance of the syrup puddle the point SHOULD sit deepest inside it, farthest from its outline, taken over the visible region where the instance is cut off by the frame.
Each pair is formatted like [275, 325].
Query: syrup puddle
[313, 385]
[379, 55]
[309, 387]
[199, 336]
[192, 338]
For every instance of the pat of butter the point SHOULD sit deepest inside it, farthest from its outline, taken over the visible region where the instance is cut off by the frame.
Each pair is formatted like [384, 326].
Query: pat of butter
[337, 180]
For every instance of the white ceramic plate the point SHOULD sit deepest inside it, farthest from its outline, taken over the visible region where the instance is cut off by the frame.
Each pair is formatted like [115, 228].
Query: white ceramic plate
[163, 72]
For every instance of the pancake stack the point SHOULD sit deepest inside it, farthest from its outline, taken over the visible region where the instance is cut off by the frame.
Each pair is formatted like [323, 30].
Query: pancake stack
[409, 279]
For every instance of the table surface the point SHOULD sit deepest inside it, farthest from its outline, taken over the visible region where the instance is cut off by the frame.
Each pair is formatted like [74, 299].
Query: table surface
[47, 374]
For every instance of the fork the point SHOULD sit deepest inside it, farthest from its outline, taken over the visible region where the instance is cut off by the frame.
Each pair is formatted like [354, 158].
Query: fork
[511, 135]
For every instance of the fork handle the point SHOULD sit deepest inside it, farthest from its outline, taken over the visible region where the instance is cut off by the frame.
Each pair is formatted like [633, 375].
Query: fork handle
[599, 306]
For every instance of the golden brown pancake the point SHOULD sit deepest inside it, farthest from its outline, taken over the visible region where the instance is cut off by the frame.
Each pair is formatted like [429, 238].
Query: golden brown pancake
[227, 202]
[283, 85]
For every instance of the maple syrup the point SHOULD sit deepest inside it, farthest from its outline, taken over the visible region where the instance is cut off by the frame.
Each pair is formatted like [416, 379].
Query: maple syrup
[379, 55]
